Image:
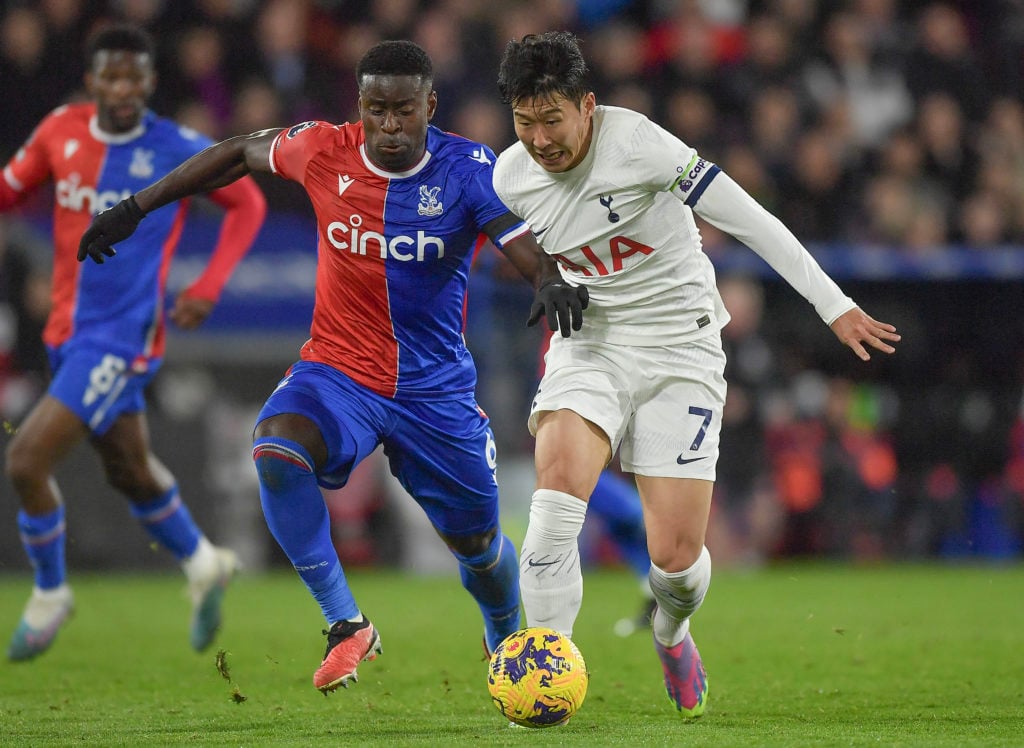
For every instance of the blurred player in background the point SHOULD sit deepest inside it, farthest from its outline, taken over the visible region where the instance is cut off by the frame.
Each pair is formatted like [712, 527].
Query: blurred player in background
[105, 333]
[644, 376]
[400, 207]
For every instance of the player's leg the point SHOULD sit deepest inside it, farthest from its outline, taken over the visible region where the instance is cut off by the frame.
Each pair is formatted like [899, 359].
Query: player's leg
[616, 501]
[489, 569]
[44, 439]
[155, 501]
[569, 455]
[677, 512]
[311, 408]
[672, 448]
[444, 455]
[578, 417]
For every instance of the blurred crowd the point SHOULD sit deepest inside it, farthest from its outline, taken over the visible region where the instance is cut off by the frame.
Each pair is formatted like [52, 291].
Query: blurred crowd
[878, 121]
[888, 123]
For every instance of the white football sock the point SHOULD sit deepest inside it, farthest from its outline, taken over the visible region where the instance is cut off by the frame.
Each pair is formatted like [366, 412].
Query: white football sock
[44, 605]
[679, 594]
[550, 577]
[203, 562]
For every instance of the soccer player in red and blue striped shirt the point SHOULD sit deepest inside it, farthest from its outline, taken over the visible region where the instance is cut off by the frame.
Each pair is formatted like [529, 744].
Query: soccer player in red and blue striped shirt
[105, 333]
[400, 207]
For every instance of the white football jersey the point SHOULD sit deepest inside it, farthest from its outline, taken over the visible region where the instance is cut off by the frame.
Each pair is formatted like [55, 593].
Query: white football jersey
[621, 223]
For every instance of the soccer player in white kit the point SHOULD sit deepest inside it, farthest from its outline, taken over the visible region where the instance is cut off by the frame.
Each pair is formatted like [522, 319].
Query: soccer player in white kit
[611, 195]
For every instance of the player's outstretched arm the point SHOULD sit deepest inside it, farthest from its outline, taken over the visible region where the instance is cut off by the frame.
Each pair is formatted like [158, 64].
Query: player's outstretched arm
[215, 167]
[561, 303]
[855, 328]
[729, 207]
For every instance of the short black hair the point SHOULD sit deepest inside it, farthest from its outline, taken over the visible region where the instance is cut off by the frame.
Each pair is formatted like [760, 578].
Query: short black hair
[121, 38]
[543, 65]
[395, 57]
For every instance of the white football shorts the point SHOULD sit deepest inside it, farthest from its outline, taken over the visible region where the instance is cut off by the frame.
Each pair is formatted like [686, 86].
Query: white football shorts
[661, 407]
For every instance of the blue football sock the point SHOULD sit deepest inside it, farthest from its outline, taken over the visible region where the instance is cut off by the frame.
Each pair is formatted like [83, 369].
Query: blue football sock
[617, 502]
[297, 518]
[492, 578]
[43, 538]
[169, 522]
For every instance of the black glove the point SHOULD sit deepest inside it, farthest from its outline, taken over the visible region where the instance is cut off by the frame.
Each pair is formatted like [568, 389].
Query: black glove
[108, 228]
[560, 302]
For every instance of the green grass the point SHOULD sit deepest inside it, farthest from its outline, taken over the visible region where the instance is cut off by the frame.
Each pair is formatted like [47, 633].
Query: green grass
[796, 656]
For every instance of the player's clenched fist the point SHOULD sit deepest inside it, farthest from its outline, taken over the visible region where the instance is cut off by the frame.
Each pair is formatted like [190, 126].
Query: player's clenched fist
[108, 228]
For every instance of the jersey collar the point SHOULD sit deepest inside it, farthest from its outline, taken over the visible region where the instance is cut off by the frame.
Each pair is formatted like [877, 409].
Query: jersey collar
[393, 174]
[117, 138]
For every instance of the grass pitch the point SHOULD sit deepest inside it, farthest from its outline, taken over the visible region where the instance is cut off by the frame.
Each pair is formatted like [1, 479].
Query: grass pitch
[797, 655]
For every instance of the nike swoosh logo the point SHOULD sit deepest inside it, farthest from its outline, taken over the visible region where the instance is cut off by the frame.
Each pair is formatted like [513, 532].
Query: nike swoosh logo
[683, 461]
[531, 562]
[538, 233]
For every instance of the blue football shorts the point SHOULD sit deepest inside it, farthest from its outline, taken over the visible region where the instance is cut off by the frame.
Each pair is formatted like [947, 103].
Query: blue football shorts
[441, 450]
[99, 383]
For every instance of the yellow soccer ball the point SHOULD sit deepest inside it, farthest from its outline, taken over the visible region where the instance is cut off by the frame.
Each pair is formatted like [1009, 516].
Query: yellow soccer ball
[537, 678]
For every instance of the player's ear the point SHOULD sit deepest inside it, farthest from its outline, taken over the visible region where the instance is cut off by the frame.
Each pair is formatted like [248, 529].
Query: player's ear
[588, 104]
[431, 105]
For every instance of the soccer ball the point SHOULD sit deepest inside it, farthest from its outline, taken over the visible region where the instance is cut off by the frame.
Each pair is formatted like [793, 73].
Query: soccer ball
[537, 677]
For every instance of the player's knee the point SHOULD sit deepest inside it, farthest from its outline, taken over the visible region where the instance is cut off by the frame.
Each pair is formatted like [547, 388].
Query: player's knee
[468, 548]
[280, 462]
[27, 463]
[675, 556]
[21, 464]
[681, 593]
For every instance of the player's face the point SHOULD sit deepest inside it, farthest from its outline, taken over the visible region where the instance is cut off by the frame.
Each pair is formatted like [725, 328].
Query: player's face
[555, 130]
[395, 110]
[121, 82]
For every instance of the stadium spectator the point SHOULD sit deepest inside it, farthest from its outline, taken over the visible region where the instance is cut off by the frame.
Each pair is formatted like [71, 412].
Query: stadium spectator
[386, 362]
[203, 75]
[105, 333]
[281, 45]
[771, 61]
[776, 121]
[814, 187]
[849, 77]
[24, 74]
[943, 61]
[691, 114]
[650, 347]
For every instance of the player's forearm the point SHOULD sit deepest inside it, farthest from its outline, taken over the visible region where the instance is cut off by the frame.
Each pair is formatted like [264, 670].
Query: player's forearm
[214, 167]
[730, 208]
[531, 261]
[547, 270]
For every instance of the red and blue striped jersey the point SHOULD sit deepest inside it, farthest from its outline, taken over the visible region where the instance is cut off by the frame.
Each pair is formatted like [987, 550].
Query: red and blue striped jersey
[394, 252]
[119, 303]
